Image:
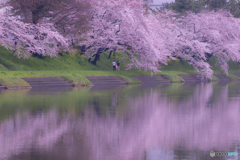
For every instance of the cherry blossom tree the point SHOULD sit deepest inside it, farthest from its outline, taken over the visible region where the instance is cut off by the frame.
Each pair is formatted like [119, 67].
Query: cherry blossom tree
[27, 39]
[124, 25]
[70, 17]
[59, 11]
[214, 34]
[150, 39]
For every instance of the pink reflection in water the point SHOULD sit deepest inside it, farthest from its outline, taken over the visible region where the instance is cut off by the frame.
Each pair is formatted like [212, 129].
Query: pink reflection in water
[155, 122]
[203, 121]
[26, 131]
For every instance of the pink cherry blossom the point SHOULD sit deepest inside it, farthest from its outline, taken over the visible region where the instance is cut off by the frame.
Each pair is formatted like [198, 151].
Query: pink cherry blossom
[26, 39]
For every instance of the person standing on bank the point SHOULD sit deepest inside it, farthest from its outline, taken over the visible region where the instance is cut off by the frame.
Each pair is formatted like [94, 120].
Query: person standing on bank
[118, 65]
[114, 65]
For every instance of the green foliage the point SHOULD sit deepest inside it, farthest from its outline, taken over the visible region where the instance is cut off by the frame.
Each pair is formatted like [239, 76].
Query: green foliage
[196, 6]
[182, 6]
[234, 7]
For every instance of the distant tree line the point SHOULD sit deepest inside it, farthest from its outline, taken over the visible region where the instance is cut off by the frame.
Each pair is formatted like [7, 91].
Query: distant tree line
[197, 6]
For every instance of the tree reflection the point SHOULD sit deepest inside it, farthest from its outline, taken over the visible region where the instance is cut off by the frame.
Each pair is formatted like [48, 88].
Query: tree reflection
[25, 131]
[154, 121]
[168, 122]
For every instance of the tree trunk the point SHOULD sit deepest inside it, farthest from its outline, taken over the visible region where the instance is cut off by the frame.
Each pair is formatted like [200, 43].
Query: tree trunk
[114, 50]
[113, 54]
[110, 54]
[36, 13]
[83, 49]
[73, 44]
[208, 56]
[35, 17]
[97, 56]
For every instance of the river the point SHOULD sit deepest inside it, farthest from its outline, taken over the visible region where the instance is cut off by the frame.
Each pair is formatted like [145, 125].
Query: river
[133, 122]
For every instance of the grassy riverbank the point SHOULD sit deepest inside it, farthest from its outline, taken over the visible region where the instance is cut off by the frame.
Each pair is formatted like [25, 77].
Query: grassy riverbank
[74, 68]
[11, 78]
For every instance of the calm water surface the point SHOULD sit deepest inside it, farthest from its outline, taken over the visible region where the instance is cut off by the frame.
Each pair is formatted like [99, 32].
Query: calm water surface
[137, 122]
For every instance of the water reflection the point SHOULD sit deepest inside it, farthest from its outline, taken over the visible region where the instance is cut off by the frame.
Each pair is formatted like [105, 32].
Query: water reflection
[166, 121]
[26, 131]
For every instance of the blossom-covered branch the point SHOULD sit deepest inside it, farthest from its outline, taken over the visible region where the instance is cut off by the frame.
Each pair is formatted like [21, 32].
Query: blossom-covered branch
[213, 34]
[26, 39]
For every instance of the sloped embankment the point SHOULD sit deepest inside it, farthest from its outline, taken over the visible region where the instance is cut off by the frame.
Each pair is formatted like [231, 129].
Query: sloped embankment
[106, 80]
[46, 82]
[152, 79]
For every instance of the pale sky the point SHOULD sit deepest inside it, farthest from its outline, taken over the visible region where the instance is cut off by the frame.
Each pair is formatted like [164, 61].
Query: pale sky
[162, 1]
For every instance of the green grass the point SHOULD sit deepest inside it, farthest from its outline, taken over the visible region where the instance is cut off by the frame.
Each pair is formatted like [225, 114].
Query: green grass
[8, 61]
[76, 79]
[13, 82]
[65, 62]
[3, 68]
[176, 65]
[233, 77]
[173, 77]
[214, 78]
[130, 79]
[74, 68]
